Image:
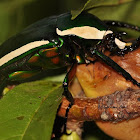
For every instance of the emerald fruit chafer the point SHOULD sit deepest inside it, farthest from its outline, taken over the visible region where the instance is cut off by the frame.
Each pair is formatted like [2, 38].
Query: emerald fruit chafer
[58, 41]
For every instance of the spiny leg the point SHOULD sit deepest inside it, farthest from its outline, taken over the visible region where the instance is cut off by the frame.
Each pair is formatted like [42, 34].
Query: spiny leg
[115, 66]
[70, 75]
[68, 78]
[121, 24]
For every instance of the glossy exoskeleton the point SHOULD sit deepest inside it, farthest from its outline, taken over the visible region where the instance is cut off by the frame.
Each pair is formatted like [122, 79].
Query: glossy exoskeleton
[58, 41]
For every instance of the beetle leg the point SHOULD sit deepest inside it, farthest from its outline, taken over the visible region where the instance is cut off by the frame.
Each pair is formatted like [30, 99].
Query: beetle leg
[22, 75]
[121, 24]
[15, 76]
[68, 78]
[115, 66]
[70, 75]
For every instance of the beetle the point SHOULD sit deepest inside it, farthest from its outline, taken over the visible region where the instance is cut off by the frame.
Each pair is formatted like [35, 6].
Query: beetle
[58, 41]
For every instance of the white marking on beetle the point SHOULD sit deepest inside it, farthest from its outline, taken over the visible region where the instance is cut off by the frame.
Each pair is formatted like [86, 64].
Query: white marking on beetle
[22, 50]
[120, 44]
[86, 32]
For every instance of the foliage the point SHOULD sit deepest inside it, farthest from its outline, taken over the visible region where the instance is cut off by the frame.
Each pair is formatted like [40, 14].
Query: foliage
[28, 111]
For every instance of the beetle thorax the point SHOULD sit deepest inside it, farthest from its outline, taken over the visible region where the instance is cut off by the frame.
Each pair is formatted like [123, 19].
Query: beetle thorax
[85, 32]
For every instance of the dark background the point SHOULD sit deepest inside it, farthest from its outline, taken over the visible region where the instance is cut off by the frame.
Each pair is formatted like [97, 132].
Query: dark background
[17, 14]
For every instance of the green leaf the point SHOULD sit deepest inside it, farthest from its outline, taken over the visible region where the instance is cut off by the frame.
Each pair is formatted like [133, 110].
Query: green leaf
[91, 4]
[28, 111]
[119, 10]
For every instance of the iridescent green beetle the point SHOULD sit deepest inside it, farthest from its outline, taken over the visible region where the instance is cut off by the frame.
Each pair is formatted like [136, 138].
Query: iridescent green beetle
[59, 41]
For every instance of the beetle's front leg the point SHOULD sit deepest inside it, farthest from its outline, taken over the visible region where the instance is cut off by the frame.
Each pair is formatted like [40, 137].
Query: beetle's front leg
[121, 24]
[115, 66]
[68, 78]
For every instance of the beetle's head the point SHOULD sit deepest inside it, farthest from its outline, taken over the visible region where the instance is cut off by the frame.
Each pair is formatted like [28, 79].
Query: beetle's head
[114, 41]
